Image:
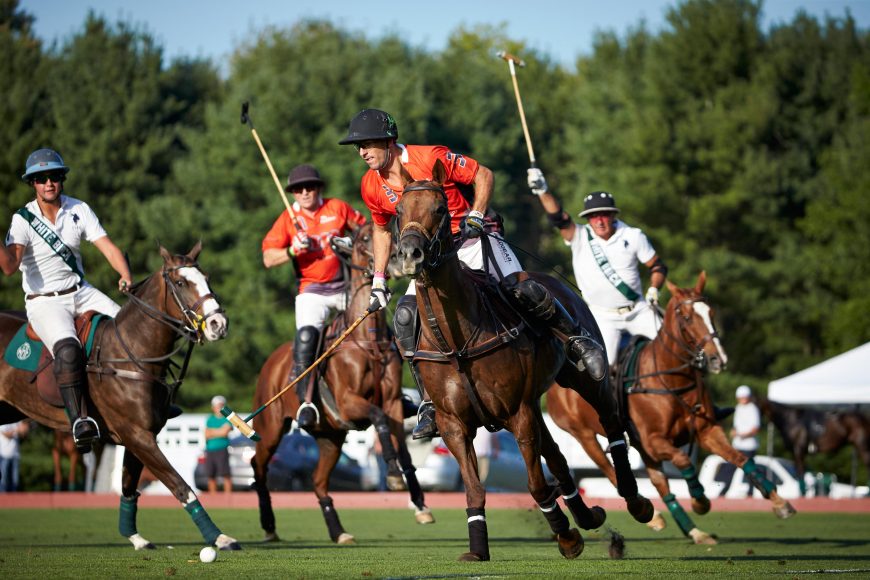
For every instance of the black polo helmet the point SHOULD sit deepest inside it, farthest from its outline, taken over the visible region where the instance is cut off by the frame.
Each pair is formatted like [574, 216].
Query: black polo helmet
[41, 161]
[371, 124]
[598, 202]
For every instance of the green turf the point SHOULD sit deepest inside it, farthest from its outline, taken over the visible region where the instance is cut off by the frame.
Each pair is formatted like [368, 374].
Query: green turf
[85, 544]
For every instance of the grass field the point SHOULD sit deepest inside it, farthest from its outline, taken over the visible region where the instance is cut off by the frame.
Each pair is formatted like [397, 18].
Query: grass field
[85, 543]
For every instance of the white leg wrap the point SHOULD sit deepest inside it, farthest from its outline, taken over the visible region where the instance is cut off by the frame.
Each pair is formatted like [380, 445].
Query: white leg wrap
[476, 519]
[139, 542]
[548, 508]
[567, 497]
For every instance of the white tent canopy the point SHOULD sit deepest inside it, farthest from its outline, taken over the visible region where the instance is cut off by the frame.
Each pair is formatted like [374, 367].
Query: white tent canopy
[842, 380]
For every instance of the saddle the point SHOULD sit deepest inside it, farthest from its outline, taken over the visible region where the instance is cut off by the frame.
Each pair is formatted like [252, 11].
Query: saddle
[623, 374]
[27, 352]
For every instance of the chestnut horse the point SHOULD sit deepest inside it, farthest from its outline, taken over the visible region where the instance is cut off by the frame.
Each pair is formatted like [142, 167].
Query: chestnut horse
[131, 382]
[364, 378]
[806, 431]
[669, 406]
[65, 446]
[486, 369]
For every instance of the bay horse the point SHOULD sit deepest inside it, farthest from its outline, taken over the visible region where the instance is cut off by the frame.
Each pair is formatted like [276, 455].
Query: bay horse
[363, 379]
[669, 406]
[486, 369]
[807, 431]
[65, 446]
[132, 380]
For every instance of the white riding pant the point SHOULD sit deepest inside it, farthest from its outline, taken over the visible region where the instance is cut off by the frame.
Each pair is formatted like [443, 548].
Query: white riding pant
[52, 317]
[471, 255]
[315, 309]
[641, 320]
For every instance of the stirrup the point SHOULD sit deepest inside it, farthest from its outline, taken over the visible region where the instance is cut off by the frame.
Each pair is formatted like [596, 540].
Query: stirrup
[426, 427]
[85, 433]
[304, 406]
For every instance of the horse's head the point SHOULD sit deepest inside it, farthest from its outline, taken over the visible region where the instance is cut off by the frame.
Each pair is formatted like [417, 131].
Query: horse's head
[695, 330]
[192, 302]
[424, 224]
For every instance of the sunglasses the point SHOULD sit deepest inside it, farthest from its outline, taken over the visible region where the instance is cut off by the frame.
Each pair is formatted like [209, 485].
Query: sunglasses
[367, 144]
[298, 189]
[43, 178]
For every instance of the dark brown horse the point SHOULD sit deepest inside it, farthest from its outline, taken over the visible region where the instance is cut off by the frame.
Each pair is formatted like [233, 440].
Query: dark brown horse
[132, 382]
[363, 379]
[483, 368]
[669, 406]
[807, 431]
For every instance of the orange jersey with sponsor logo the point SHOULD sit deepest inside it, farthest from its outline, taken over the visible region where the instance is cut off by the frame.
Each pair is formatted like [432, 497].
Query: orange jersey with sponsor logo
[319, 264]
[381, 197]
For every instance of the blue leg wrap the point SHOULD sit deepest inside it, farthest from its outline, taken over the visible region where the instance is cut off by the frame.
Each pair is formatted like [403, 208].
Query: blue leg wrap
[680, 516]
[206, 527]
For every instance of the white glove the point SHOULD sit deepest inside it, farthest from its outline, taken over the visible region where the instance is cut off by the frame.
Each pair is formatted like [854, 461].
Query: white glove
[301, 243]
[342, 243]
[652, 295]
[537, 182]
[380, 293]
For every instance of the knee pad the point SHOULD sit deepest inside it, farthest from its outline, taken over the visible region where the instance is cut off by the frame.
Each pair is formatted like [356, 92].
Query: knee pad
[406, 324]
[305, 345]
[69, 361]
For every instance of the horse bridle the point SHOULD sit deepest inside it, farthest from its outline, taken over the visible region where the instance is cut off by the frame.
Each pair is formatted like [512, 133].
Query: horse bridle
[695, 351]
[435, 249]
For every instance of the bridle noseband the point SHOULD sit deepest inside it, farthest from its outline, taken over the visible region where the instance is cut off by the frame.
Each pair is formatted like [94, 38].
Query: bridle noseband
[194, 329]
[437, 248]
[686, 341]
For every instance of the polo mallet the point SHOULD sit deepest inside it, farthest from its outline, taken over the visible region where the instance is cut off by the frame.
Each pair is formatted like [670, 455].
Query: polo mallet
[242, 424]
[514, 61]
[246, 120]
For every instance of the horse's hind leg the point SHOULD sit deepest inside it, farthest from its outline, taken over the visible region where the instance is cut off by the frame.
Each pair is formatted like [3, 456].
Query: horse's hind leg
[129, 502]
[143, 445]
[330, 451]
[271, 431]
[388, 450]
[422, 513]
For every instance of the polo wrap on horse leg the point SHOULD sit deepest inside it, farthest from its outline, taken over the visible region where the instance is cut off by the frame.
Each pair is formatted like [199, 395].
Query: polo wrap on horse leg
[264, 500]
[680, 516]
[410, 473]
[202, 520]
[585, 517]
[406, 328]
[761, 483]
[69, 369]
[388, 450]
[696, 490]
[127, 515]
[304, 353]
[626, 484]
[554, 515]
[582, 350]
[478, 536]
[333, 524]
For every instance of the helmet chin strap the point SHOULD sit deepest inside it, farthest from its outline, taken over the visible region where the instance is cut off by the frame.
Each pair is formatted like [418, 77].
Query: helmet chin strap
[388, 160]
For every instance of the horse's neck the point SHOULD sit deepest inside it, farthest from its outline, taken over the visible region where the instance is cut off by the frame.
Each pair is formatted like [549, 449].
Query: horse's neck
[667, 346]
[154, 337]
[455, 302]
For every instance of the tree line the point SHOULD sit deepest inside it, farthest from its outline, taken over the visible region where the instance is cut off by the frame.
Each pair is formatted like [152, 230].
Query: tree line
[740, 150]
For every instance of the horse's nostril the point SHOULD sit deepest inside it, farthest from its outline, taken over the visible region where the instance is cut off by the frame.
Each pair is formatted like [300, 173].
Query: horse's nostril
[417, 254]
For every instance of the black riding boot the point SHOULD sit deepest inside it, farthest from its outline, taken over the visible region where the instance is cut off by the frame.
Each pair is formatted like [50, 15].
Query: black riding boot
[69, 369]
[582, 350]
[304, 352]
[405, 328]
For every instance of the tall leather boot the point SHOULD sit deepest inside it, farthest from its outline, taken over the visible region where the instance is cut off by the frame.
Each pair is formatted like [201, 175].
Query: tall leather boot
[582, 350]
[304, 352]
[405, 330]
[69, 370]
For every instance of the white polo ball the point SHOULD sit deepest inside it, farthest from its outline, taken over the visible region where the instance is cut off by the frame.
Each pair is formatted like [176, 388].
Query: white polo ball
[208, 554]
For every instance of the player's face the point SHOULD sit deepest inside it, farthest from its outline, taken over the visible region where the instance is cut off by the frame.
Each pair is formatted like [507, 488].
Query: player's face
[602, 224]
[308, 195]
[374, 153]
[48, 185]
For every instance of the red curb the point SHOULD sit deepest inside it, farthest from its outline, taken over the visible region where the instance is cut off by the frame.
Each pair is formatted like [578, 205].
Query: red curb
[392, 500]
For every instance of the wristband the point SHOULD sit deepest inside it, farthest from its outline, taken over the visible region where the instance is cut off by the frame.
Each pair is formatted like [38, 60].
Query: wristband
[290, 253]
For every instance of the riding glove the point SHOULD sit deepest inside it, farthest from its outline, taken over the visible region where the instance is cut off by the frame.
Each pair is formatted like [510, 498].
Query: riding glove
[537, 182]
[342, 243]
[652, 295]
[473, 225]
[301, 243]
[380, 293]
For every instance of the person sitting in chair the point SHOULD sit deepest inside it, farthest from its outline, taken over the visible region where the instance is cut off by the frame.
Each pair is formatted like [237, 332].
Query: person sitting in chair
[43, 242]
[318, 269]
[375, 134]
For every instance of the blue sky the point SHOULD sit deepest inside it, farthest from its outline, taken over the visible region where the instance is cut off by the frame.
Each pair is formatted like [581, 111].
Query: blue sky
[561, 29]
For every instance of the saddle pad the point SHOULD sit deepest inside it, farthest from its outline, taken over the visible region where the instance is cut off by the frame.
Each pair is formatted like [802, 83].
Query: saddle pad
[24, 353]
[628, 361]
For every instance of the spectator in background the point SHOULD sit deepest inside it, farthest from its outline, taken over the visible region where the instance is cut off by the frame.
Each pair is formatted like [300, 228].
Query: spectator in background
[217, 442]
[10, 454]
[486, 448]
[744, 433]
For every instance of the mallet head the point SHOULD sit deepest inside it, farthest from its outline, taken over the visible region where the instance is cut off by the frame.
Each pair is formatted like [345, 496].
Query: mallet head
[509, 57]
[245, 117]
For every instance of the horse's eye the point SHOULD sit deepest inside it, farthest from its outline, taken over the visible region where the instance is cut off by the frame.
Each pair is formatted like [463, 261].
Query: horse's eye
[179, 283]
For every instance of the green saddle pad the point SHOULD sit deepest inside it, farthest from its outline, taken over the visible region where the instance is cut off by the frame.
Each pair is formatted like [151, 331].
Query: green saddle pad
[23, 353]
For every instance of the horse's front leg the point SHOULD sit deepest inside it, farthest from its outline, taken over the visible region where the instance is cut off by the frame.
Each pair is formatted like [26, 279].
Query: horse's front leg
[684, 522]
[714, 440]
[330, 450]
[663, 449]
[458, 439]
[271, 427]
[142, 443]
[422, 513]
[129, 502]
[527, 427]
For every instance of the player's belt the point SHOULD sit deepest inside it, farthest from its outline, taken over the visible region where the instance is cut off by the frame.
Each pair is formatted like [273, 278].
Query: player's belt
[69, 290]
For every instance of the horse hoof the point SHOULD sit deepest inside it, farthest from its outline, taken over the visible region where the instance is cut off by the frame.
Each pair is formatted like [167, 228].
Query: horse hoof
[345, 539]
[396, 483]
[657, 523]
[271, 537]
[599, 516]
[702, 538]
[224, 542]
[701, 505]
[641, 509]
[785, 511]
[424, 515]
[571, 544]
[473, 557]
